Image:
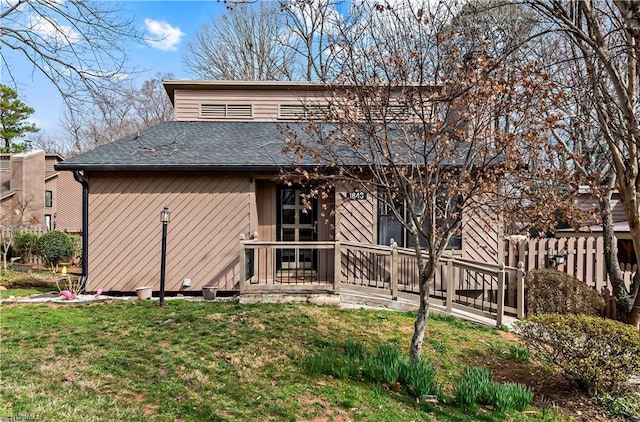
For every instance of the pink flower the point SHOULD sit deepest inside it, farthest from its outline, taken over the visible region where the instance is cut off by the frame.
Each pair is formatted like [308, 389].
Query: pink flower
[98, 293]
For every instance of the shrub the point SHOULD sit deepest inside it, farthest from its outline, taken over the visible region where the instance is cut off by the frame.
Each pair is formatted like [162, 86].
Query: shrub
[598, 354]
[553, 292]
[24, 244]
[53, 247]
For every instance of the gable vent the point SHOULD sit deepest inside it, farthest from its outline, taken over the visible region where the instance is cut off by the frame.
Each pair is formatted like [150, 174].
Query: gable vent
[300, 111]
[226, 111]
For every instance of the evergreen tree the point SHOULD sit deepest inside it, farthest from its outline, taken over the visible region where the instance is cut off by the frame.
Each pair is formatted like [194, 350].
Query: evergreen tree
[13, 116]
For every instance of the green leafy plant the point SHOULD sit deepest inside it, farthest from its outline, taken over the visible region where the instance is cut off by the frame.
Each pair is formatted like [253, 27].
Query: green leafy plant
[598, 354]
[24, 244]
[474, 386]
[386, 365]
[477, 387]
[419, 377]
[624, 405]
[552, 291]
[54, 246]
[511, 396]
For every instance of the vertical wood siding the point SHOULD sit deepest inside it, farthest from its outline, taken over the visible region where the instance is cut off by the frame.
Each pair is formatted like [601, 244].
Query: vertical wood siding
[208, 212]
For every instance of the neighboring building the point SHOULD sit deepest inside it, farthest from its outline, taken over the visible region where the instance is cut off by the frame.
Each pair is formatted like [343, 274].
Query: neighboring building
[215, 167]
[588, 203]
[52, 199]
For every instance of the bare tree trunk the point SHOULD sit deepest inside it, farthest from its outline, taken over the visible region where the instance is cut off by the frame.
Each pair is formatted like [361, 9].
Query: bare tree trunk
[611, 253]
[420, 326]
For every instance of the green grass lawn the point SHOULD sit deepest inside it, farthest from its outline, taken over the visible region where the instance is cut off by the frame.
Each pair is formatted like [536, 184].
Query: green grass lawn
[222, 361]
[22, 292]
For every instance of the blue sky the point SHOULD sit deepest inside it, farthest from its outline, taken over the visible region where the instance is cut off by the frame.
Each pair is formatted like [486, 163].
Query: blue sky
[173, 22]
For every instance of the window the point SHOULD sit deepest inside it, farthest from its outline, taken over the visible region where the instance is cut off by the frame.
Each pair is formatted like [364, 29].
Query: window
[48, 198]
[226, 111]
[47, 221]
[389, 227]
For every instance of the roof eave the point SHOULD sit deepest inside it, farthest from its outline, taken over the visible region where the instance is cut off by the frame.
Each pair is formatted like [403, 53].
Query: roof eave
[173, 167]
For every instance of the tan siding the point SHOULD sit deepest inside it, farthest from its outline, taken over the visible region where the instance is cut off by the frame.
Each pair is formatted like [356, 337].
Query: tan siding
[589, 204]
[265, 102]
[357, 218]
[50, 161]
[208, 213]
[481, 237]
[67, 202]
[266, 205]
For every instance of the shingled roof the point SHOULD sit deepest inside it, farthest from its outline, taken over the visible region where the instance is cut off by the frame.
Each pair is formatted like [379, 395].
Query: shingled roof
[195, 146]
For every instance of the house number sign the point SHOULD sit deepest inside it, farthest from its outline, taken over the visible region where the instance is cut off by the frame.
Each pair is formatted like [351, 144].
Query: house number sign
[357, 195]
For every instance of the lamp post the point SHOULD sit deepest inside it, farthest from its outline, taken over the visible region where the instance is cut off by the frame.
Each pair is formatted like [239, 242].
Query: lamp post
[165, 217]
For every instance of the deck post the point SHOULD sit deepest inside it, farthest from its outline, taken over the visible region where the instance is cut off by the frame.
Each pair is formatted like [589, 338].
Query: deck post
[337, 267]
[520, 289]
[500, 298]
[394, 270]
[450, 280]
[243, 265]
[254, 260]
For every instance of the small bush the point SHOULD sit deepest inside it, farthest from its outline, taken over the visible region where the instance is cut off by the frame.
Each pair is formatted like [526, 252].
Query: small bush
[53, 247]
[598, 354]
[553, 292]
[24, 244]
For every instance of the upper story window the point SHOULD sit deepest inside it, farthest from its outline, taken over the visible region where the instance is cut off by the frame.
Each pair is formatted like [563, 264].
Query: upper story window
[48, 198]
[226, 111]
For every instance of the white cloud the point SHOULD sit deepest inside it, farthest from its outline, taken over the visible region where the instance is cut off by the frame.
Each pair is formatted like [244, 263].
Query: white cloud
[163, 36]
[49, 28]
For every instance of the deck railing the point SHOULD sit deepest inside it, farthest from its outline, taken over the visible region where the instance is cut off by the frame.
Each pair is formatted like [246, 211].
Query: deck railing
[328, 266]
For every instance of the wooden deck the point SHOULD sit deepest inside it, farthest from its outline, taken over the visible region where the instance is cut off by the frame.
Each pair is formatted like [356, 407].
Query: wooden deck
[383, 276]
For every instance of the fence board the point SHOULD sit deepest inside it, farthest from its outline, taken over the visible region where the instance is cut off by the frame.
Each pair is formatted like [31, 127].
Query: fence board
[584, 261]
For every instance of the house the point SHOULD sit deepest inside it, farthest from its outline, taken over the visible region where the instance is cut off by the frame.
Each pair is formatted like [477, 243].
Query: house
[216, 169]
[51, 199]
[588, 203]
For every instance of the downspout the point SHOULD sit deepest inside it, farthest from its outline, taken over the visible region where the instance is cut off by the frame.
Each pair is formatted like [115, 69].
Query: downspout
[85, 229]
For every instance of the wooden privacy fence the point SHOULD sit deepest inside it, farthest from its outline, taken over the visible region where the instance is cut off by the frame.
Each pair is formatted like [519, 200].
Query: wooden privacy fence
[490, 290]
[583, 258]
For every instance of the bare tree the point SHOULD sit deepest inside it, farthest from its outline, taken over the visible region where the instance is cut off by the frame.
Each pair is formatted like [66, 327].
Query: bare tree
[150, 102]
[417, 125]
[13, 218]
[77, 45]
[116, 113]
[245, 43]
[311, 26]
[606, 36]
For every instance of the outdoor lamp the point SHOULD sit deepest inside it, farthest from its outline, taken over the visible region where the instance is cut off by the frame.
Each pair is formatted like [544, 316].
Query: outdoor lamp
[560, 257]
[165, 217]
